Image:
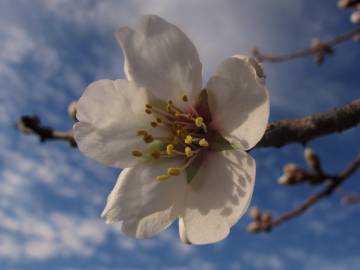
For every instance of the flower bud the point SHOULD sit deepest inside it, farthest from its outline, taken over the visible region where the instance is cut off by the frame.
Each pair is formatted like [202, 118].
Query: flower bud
[290, 168]
[311, 158]
[253, 227]
[255, 213]
[72, 110]
[292, 175]
[347, 3]
[284, 180]
[355, 17]
[267, 217]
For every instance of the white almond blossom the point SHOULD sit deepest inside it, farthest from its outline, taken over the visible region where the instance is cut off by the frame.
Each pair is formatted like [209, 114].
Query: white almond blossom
[182, 146]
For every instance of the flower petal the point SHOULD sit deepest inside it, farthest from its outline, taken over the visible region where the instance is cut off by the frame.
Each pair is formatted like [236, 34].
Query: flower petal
[218, 196]
[161, 58]
[239, 100]
[110, 114]
[144, 204]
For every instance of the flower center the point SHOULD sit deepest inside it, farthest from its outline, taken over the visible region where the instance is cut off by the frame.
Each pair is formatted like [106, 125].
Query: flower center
[187, 135]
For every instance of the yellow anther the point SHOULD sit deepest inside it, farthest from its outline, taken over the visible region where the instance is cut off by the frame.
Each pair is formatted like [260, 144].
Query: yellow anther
[174, 171]
[148, 138]
[155, 155]
[184, 98]
[162, 177]
[148, 106]
[188, 151]
[136, 153]
[158, 119]
[199, 121]
[148, 111]
[188, 139]
[169, 149]
[169, 102]
[175, 140]
[177, 114]
[203, 142]
[142, 133]
[169, 108]
[153, 124]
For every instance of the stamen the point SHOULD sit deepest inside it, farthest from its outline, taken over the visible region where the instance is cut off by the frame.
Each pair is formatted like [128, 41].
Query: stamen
[158, 119]
[162, 112]
[188, 151]
[148, 138]
[153, 124]
[148, 106]
[203, 142]
[199, 121]
[169, 108]
[162, 177]
[136, 153]
[184, 98]
[188, 139]
[174, 171]
[169, 149]
[170, 102]
[148, 111]
[142, 133]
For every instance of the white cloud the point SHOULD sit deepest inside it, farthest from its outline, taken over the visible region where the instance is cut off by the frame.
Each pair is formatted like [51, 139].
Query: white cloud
[264, 261]
[42, 237]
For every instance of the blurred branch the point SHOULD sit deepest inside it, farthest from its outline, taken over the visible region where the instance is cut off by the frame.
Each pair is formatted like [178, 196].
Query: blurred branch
[31, 125]
[348, 3]
[317, 48]
[348, 197]
[280, 133]
[264, 222]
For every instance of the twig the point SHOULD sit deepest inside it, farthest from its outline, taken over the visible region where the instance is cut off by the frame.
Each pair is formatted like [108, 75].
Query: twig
[31, 125]
[318, 49]
[265, 223]
[280, 133]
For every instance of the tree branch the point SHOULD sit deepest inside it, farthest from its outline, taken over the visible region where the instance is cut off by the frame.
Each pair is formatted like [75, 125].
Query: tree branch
[280, 133]
[31, 125]
[318, 48]
[265, 222]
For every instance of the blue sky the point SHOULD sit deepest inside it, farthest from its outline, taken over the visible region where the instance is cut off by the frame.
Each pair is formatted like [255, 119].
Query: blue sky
[51, 196]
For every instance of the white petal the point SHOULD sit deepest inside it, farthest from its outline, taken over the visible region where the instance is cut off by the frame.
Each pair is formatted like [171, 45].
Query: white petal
[144, 204]
[161, 58]
[218, 196]
[239, 100]
[110, 114]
